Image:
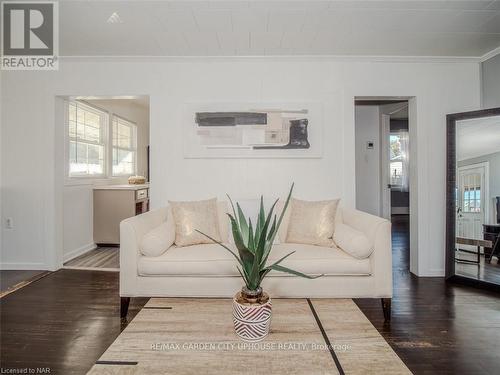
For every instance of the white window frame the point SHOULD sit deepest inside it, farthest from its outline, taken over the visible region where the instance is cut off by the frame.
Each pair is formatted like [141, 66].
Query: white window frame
[107, 142]
[405, 172]
[133, 127]
[68, 139]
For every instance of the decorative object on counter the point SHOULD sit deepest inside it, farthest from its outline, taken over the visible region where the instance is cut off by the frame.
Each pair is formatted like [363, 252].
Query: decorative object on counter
[251, 305]
[136, 180]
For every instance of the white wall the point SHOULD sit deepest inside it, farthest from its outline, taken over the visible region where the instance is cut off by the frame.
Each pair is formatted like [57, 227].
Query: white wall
[491, 82]
[78, 220]
[367, 123]
[30, 194]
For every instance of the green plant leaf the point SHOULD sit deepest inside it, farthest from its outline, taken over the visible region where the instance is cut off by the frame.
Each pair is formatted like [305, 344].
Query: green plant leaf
[251, 244]
[269, 242]
[243, 222]
[268, 269]
[293, 272]
[242, 276]
[261, 247]
[238, 238]
[280, 260]
[282, 214]
[255, 244]
[262, 214]
[260, 220]
[221, 244]
[273, 229]
[234, 211]
[247, 257]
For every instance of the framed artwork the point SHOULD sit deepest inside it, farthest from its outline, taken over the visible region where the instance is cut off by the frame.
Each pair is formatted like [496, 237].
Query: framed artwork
[253, 130]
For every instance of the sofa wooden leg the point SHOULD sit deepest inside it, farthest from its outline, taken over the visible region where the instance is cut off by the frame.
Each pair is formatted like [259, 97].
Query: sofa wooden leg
[124, 302]
[386, 308]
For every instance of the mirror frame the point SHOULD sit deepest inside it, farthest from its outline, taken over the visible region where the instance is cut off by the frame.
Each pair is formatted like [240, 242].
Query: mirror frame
[451, 176]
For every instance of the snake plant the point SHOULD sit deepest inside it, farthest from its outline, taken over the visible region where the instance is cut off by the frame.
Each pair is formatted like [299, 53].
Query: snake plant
[255, 244]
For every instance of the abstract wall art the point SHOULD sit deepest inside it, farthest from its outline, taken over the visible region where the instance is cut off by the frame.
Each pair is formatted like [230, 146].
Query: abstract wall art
[252, 130]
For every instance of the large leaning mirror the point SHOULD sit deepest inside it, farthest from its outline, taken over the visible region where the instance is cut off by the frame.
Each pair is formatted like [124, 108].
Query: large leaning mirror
[473, 198]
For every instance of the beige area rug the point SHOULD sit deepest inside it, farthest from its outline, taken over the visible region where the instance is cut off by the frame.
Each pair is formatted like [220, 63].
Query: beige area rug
[195, 336]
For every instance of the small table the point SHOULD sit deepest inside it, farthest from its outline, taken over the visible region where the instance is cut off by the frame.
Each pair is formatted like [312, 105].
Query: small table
[471, 242]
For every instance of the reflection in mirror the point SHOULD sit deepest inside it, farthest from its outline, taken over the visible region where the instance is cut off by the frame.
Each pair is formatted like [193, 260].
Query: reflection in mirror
[478, 199]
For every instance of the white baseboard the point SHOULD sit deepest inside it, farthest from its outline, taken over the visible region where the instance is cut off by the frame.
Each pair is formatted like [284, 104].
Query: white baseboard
[400, 210]
[432, 273]
[77, 252]
[24, 267]
[91, 269]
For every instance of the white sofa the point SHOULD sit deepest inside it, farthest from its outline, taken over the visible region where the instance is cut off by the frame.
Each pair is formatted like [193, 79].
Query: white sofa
[208, 270]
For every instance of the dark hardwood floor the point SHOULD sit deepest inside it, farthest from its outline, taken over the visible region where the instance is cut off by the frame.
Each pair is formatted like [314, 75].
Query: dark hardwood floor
[66, 320]
[485, 271]
[437, 328]
[10, 280]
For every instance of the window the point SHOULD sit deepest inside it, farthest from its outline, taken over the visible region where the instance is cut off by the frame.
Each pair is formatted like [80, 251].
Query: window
[398, 160]
[472, 193]
[87, 140]
[124, 147]
[100, 144]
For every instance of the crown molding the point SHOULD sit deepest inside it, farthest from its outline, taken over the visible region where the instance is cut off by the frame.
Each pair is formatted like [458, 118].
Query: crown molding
[490, 54]
[298, 58]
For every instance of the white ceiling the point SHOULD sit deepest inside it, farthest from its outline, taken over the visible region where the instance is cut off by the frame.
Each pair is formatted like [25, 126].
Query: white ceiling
[478, 137]
[241, 28]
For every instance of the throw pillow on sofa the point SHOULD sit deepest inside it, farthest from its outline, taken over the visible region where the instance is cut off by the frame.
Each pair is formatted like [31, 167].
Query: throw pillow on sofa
[192, 216]
[352, 241]
[312, 223]
[158, 240]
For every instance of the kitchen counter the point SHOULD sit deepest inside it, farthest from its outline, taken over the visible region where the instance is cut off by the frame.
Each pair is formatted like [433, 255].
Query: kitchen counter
[122, 187]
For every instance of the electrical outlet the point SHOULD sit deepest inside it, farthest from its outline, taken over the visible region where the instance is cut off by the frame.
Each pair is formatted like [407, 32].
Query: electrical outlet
[9, 223]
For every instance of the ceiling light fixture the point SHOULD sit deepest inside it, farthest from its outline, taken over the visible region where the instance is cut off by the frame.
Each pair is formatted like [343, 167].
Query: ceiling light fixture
[114, 18]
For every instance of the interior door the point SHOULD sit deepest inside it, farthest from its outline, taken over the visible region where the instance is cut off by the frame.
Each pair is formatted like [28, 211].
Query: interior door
[471, 205]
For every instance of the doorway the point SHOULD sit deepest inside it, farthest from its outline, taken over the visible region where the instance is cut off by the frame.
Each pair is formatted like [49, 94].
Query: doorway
[382, 139]
[471, 208]
[103, 175]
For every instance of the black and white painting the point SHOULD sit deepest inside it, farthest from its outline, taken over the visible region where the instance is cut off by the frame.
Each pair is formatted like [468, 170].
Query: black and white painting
[253, 130]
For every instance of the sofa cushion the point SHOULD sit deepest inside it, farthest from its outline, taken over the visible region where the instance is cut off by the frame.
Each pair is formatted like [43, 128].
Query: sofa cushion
[213, 260]
[158, 240]
[189, 217]
[311, 222]
[352, 241]
[283, 229]
[222, 211]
